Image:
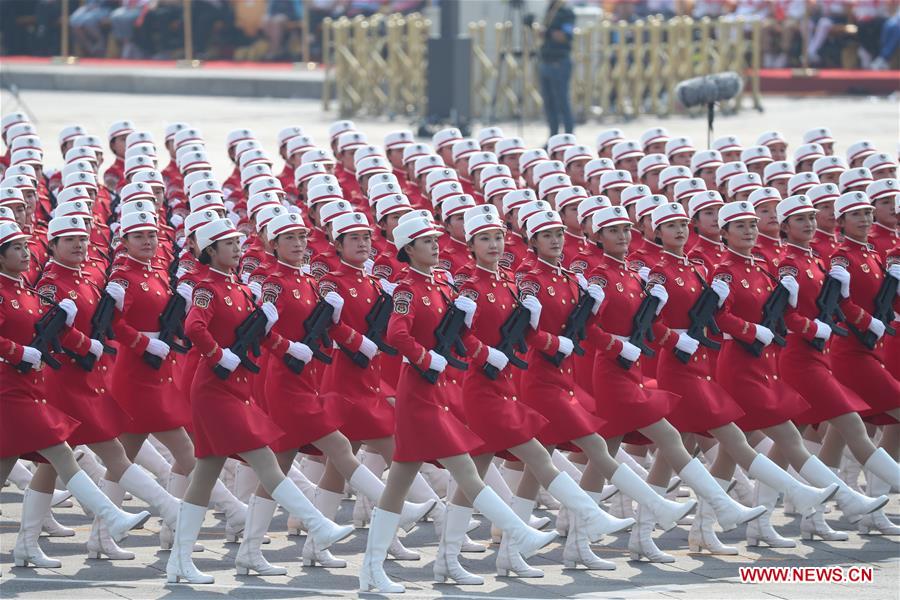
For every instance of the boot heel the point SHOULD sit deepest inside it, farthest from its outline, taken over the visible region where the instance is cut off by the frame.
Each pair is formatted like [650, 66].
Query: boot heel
[752, 542]
[309, 562]
[694, 548]
[242, 570]
[634, 556]
[570, 564]
[95, 555]
[440, 579]
[172, 578]
[231, 538]
[503, 572]
[21, 562]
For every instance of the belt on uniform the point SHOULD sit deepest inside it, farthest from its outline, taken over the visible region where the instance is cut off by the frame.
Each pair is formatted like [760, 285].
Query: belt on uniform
[150, 334]
[621, 338]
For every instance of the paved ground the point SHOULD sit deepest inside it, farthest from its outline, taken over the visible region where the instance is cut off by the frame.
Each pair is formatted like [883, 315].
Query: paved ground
[690, 577]
[850, 118]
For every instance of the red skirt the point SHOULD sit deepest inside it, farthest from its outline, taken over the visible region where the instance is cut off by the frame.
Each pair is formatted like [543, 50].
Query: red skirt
[808, 371]
[226, 419]
[754, 384]
[358, 398]
[27, 422]
[863, 371]
[148, 396]
[493, 411]
[551, 391]
[83, 395]
[625, 402]
[426, 429]
[704, 403]
[292, 402]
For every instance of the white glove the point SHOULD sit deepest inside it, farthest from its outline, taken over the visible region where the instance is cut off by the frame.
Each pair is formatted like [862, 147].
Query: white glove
[368, 265]
[792, 287]
[32, 356]
[566, 345]
[118, 294]
[764, 334]
[368, 347]
[245, 278]
[644, 273]
[255, 289]
[687, 344]
[179, 241]
[534, 308]
[596, 292]
[229, 205]
[877, 327]
[659, 291]
[181, 272]
[70, 309]
[822, 330]
[438, 362]
[185, 291]
[721, 289]
[337, 303]
[176, 220]
[114, 227]
[842, 275]
[497, 359]
[468, 306]
[387, 286]
[229, 360]
[582, 281]
[306, 270]
[271, 315]
[300, 351]
[96, 348]
[894, 271]
[157, 347]
[629, 351]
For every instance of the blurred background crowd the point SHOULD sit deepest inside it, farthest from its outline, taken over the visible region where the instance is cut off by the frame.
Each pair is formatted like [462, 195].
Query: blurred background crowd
[851, 34]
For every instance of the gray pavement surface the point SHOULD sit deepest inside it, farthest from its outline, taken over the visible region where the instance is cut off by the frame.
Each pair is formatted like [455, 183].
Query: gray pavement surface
[692, 576]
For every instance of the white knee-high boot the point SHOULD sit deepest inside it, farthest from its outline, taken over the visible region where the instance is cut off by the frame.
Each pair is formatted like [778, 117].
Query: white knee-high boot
[180, 566]
[381, 531]
[249, 555]
[327, 502]
[761, 530]
[27, 551]
[446, 563]
[100, 543]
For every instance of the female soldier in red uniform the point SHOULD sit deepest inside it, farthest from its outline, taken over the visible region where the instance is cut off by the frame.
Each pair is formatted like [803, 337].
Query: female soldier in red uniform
[293, 399]
[705, 406]
[626, 404]
[493, 412]
[426, 430]
[32, 428]
[148, 395]
[82, 392]
[769, 404]
[858, 366]
[226, 420]
[808, 370]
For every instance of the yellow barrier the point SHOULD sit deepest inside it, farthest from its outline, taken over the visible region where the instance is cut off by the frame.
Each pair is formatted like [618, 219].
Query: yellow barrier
[375, 65]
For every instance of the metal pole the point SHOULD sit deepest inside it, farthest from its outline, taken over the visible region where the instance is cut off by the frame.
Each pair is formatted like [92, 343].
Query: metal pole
[305, 31]
[188, 31]
[65, 57]
[805, 36]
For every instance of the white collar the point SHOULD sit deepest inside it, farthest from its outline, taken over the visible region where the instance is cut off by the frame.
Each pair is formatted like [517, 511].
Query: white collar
[717, 244]
[354, 267]
[808, 251]
[298, 268]
[429, 276]
[557, 267]
[683, 259]
[495, 274]
[18, 280]
[751, 258]
[76, 269]
[769, 237]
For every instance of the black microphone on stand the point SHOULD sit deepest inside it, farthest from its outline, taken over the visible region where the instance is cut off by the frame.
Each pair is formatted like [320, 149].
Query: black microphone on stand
[708, 90]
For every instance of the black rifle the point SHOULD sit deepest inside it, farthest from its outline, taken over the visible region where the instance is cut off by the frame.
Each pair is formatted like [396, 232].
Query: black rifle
[702, 316]
[448, 339]
[171, 321]
[101, 330]
[171, 329]
[46, 338]
[884, 312]
[316, 336]
[247, 337]
[773, 318]
[512, 340]
[830, 313]
[642, 329]
[576, 327]
[377, 321]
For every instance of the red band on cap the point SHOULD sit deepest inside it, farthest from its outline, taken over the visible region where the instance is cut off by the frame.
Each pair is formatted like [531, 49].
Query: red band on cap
[71, 230]
[703, 165]
[484, 227]
[797, 209]
[854, 206]
[611, 221]
[742, 215]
